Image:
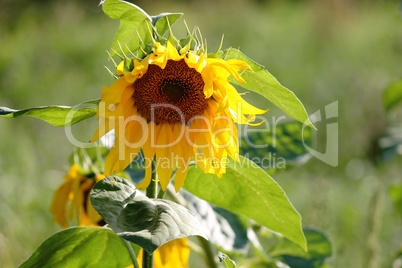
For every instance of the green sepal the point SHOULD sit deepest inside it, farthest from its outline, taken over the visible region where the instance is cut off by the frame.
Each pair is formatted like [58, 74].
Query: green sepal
[259, 80]
[81, 247]
[58, 116]
[147, 222]
[248, 190]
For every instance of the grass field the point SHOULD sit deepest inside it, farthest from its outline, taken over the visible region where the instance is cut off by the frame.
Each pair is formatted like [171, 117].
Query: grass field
[345, 52]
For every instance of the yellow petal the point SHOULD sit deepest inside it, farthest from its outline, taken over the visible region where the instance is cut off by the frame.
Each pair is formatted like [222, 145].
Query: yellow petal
[149, 152]
[172, 53]
[226, 66]
[111, 159]
[180, 177]
[58, 206]
[236, 102]
[164, 156]
[104, 127]
[120, 68]
[113, 93]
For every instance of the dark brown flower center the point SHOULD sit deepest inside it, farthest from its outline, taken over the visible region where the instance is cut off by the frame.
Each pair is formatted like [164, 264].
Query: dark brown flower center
[171, 95]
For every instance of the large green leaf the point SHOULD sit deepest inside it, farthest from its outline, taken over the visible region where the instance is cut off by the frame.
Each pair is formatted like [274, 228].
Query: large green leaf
[392, 95]
[319, 249]
[81, 247]
[58, 116]
[226, 230]
[246, 189]
[149, 223]
[133, 25]
[261, 81]
[279, 148]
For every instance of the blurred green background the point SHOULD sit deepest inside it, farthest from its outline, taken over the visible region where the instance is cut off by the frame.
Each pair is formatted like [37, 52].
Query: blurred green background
[54, 52]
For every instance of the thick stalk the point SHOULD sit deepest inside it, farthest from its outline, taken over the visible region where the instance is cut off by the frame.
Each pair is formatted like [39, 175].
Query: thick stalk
[152, 192]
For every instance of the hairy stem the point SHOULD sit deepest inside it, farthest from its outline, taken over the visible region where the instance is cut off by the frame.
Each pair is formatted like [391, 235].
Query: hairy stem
[151, 192]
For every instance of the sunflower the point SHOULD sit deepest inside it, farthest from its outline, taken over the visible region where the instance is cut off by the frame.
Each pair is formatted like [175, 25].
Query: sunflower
[175, 105]
[73, 195]
[174, 254]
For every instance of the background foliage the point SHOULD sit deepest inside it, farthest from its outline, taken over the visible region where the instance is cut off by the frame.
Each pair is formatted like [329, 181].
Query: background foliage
[52, 52]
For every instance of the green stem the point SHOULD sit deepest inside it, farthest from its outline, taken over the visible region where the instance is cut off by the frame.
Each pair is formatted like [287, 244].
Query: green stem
[209, 253]
[152, 189]
[147, 259]
[151, 192]
[132, 254]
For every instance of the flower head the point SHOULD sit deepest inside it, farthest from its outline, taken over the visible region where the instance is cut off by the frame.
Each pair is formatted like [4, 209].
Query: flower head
[175, 105]
[71, 199]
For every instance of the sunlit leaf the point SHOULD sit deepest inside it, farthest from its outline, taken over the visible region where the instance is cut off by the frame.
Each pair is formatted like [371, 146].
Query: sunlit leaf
[133, 25]
[149, 223]
[246, 189]
[261, 81]
[392, 95]
[225, 229]
[319, 249]
[279, 148]
[81, 247]
[59, 116]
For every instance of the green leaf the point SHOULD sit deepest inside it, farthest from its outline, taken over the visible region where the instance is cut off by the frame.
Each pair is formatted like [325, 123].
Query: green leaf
[133, 25]
[81, 247]
[246, 189]
[279, 148]
[226, 260]
[319, 249]
[58, 116]
[392, 95]
[164, 20]
[149, 223]
[226, 230]
[262, 82]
